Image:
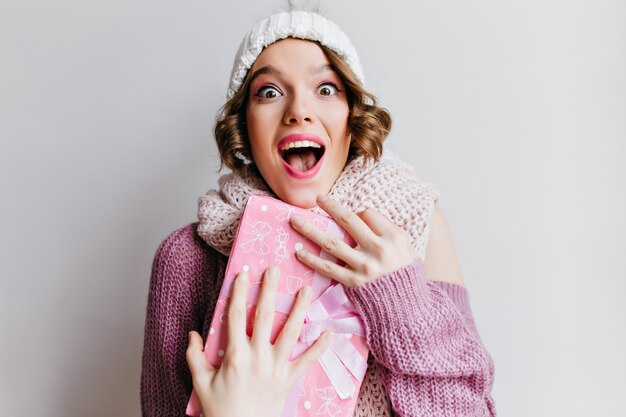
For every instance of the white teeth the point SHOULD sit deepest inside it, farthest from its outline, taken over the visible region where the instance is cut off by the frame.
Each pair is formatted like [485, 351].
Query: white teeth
[300, 144]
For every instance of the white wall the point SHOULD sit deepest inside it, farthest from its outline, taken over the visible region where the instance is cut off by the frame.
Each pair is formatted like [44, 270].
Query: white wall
[516, 110]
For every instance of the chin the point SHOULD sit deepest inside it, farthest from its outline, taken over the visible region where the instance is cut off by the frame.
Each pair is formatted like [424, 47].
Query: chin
[305, 200]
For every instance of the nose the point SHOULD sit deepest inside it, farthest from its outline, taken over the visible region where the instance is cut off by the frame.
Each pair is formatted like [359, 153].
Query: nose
[298, 110]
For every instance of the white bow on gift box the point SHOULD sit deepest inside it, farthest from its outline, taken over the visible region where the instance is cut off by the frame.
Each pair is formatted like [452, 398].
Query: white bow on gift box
[332, 311]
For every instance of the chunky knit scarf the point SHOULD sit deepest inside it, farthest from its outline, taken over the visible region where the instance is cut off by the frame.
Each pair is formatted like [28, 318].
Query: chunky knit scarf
[387, 185]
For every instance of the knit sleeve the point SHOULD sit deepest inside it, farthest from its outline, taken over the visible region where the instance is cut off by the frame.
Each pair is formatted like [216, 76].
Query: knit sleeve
[460, 297]
[433, 360]
[180, 291]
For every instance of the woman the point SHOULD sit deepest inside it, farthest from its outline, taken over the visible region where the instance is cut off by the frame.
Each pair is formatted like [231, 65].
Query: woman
[299, 126]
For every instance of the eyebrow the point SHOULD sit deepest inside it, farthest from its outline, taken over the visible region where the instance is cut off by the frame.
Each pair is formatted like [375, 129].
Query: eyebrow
[269, 69]
[321, 68]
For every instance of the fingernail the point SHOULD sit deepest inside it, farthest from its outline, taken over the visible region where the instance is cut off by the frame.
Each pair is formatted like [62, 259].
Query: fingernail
[243, 276]
[322, 198]
[272, 273]
[297, 220]
[306, 291]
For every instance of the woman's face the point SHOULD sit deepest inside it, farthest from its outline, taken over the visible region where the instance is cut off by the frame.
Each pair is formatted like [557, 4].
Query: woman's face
[297, 120]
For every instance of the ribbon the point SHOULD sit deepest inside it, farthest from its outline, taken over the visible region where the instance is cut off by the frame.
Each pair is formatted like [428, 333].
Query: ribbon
[333, 311]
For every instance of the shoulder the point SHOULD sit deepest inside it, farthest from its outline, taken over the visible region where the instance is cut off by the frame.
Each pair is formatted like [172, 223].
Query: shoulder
[183, 256]
[441, 262]
[430, 232]
[181, 243]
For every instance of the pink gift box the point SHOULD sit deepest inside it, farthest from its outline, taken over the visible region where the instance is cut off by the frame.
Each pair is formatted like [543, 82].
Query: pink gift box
[265, 238]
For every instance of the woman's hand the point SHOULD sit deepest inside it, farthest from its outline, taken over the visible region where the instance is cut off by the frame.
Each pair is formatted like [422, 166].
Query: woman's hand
[255, 375]
[382, 247]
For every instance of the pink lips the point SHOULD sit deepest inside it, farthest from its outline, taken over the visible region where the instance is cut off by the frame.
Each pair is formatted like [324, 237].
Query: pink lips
[294, 137]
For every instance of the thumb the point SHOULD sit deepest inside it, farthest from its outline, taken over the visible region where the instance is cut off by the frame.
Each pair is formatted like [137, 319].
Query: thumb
[198, 363]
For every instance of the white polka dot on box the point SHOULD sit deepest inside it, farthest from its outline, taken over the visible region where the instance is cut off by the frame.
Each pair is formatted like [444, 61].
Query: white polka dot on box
[265, 238]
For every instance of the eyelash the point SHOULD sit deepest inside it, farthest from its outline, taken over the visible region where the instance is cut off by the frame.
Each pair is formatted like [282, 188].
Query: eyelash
[269, 86]
[332, 84]
[258, 93]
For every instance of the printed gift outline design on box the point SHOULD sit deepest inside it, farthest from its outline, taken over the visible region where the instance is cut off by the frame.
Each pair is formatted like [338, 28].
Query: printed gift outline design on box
[265, 238]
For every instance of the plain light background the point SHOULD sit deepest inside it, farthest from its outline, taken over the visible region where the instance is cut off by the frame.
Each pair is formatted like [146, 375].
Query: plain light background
[516, 110]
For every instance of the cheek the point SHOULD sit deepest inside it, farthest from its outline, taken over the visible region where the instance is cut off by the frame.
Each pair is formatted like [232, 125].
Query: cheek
[258, 127]
[336, 118]
[254, 121]
[338, 124]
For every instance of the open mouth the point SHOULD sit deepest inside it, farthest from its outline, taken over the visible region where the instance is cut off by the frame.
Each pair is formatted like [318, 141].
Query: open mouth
[302, 155]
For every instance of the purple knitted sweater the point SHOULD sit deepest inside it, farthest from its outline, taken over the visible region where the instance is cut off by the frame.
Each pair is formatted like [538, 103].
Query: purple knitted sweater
[421, 332]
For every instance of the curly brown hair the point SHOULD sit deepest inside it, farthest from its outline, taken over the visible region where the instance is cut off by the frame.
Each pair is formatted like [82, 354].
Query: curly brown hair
[368, 123]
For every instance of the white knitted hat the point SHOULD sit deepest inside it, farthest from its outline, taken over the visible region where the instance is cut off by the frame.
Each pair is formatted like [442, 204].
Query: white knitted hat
[295, 24]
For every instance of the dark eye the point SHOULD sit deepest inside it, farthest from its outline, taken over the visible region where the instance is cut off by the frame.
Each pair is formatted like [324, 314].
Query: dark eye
[268, 92]
[327, 89]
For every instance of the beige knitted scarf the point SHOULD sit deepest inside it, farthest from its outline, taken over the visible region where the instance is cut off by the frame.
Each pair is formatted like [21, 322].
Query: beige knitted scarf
[387, 185]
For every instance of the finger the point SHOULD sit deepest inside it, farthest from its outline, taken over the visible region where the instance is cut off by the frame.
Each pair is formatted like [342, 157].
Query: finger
[328, 242]
[292, 328]
[264, 316]
[376, 221]
[347, 219]
[237, 310]
[304, 362]
[341, 274]
[198, 364]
